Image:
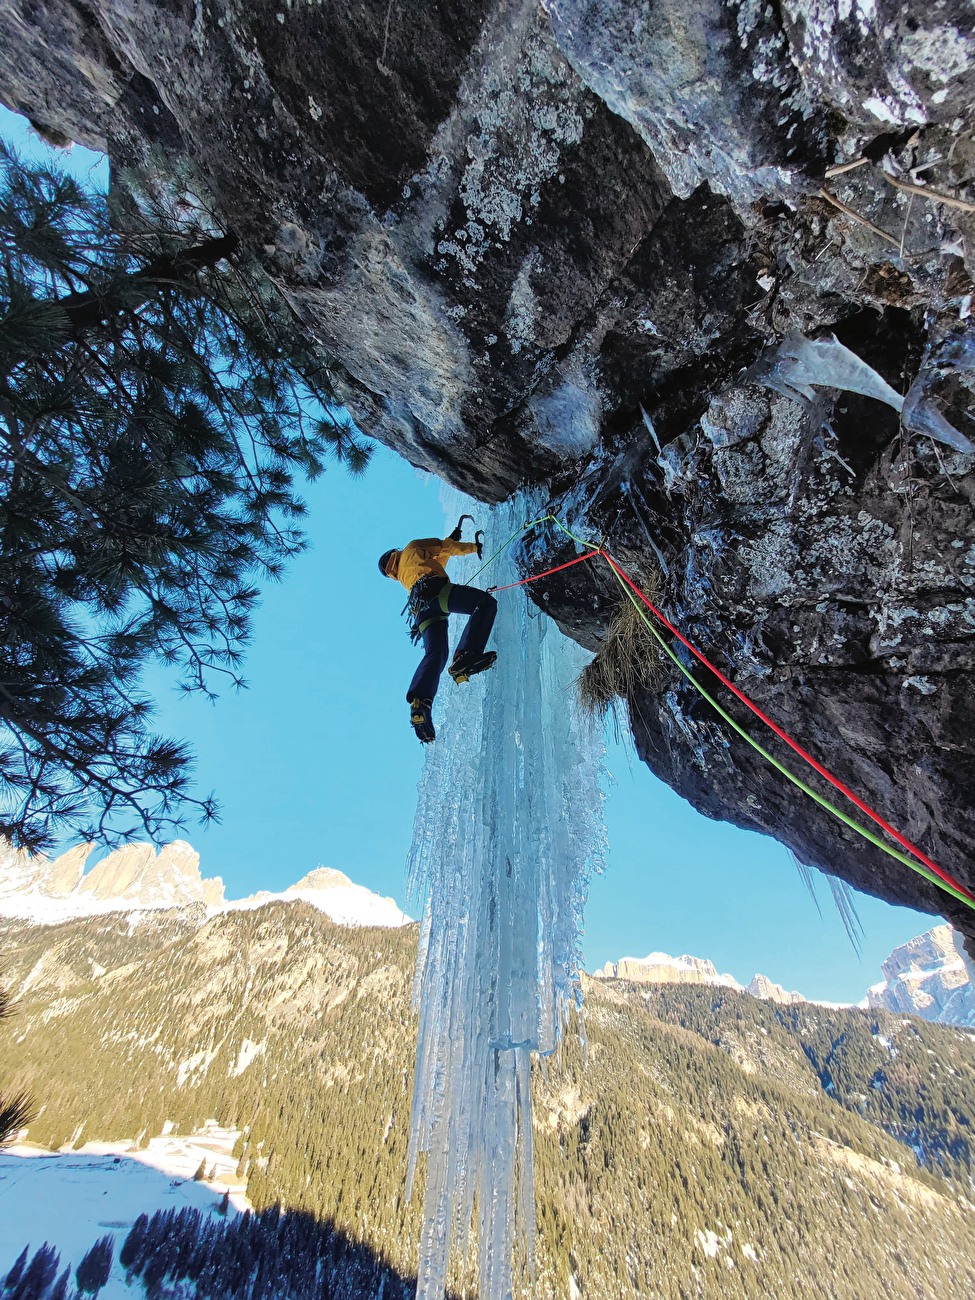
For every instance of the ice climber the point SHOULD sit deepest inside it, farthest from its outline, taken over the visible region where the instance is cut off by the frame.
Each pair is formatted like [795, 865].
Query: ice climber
[419, 566]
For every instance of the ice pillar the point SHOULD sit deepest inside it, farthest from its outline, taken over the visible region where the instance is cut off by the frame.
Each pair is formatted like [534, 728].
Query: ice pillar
[508, 829]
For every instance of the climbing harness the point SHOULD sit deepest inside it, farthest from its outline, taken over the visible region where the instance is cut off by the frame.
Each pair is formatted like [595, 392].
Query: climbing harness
[924, 866]
[425, 591]
[422, 595]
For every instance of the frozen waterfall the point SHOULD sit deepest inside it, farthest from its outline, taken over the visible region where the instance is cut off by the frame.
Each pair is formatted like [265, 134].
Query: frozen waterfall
[509, 828]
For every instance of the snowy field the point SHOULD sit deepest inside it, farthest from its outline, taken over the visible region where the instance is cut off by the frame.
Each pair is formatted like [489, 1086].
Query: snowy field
[70, 1199]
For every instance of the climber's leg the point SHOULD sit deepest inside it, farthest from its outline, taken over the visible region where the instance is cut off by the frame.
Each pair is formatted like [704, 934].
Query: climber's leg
[470, 656]
[426, 679]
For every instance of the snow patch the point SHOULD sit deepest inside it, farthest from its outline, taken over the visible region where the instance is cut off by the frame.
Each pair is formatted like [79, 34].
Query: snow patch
[71, 1198]
[249, 1052]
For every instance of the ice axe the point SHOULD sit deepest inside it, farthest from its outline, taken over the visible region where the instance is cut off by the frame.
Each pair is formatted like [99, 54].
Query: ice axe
[455, 535]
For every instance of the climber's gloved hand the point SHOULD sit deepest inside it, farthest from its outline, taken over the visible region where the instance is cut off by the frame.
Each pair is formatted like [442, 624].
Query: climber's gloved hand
[455, 536]
[479, 542]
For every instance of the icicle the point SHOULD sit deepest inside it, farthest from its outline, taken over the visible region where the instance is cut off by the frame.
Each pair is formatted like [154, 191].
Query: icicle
[799, 362]
[630, 490]
[847, 908]
[920, 413]
[806, 876]
[922, 416]
[843, 898]
[508, 829]
[650, 429]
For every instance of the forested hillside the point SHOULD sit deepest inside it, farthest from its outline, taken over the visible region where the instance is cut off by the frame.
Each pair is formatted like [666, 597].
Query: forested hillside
[710, 1144]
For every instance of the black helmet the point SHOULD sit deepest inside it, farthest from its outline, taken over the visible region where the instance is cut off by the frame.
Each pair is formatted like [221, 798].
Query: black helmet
[384, 560]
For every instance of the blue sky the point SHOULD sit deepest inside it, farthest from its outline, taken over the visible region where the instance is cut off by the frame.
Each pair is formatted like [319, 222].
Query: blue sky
[316, 764]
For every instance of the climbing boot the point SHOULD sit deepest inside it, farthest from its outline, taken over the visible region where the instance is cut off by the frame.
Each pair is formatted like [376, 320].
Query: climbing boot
[421, 720]
[465, 666]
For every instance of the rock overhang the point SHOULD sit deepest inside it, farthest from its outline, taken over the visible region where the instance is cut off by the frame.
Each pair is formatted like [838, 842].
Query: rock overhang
[543, 244]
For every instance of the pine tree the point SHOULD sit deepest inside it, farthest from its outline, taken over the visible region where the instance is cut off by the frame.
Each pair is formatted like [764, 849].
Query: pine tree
[15, 1274]
[38, 1275]
[15, 1113]
[156, 404]
[92, 1273]
[201, 1172]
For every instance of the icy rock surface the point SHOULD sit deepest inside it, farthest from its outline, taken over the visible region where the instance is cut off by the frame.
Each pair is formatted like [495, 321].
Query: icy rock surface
[589, 207]
[508, 830]
[955, 356]
[799, 362]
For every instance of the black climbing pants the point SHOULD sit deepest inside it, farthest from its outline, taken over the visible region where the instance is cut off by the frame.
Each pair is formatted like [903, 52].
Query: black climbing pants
[481, 608]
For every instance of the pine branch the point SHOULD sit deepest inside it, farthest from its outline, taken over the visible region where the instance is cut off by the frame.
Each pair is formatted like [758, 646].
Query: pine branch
[94, 307]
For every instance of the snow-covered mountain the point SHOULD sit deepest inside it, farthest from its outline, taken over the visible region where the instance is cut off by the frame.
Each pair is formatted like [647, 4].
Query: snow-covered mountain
[932, 976]
[661, 968]
[135, 877]
[335, 895]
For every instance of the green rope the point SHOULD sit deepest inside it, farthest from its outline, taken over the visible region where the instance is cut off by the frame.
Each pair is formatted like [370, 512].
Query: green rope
[523, 529]
[917, 867]
[796, 781]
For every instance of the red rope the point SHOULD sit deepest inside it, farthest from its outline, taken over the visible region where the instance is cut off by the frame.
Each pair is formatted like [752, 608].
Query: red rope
[536, 576]
[833, 780]
[783, 735]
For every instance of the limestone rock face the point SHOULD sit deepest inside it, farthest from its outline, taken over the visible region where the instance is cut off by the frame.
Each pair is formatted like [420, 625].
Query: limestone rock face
[21, 871]
[136, 873]
[659, 968]
[131, 876]
[66, 871]
[544, 242]
[762, 987]
[121, 872]
[932, 976]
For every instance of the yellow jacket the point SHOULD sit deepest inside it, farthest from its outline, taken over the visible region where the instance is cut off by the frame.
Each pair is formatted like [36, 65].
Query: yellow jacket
[424, 556]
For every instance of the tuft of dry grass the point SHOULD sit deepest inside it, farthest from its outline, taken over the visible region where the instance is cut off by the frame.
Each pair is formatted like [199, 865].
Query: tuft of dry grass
[629, 658]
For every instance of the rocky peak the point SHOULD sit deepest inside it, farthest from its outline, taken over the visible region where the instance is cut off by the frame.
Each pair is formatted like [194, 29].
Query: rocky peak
[322, 878]
[170, 878]
[932, 976]
[762, 987]
[133, 875]
[661, 968]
